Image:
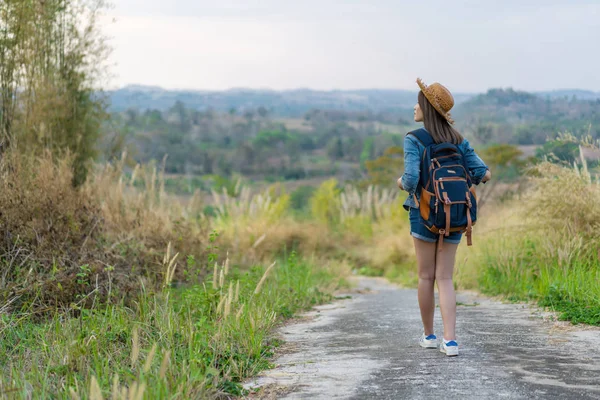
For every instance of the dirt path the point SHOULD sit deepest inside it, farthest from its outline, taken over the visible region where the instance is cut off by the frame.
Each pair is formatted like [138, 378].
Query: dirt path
[366, 348]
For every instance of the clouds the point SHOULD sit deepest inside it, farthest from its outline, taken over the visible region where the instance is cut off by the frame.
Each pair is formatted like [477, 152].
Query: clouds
[531, 45]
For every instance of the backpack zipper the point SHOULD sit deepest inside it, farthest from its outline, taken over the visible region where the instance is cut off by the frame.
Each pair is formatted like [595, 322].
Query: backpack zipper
[452, 166]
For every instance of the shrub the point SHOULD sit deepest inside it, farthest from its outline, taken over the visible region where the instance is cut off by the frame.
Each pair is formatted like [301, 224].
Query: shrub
[300, 198]
[63, 246]
[544, 245]
[325, 203]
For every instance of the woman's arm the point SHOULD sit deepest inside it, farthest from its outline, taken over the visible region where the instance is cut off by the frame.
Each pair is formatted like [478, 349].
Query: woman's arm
[412, 166]
[477, 168]
[487, 176]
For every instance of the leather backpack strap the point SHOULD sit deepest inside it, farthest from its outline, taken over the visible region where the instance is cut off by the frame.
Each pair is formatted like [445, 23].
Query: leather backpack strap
[469, 229]
[447, 212]
[469, 221]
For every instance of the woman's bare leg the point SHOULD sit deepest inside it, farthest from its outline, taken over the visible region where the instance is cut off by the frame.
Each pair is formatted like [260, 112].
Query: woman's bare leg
[426, 255]
[444, 269]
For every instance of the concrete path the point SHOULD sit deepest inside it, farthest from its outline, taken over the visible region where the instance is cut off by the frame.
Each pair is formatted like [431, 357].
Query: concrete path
[366, 348]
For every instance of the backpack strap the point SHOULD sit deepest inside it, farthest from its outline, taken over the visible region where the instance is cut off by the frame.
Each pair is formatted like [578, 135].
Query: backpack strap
[422, 136]
[425, 138]
[469, 221]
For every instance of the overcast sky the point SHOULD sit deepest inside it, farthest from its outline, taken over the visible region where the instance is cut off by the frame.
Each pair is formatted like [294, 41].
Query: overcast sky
[468, 46]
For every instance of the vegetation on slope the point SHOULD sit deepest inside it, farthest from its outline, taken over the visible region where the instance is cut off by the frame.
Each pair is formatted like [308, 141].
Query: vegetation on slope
[112, 286]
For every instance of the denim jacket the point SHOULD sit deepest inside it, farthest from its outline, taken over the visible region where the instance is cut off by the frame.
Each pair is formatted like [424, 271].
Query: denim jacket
[413, 151]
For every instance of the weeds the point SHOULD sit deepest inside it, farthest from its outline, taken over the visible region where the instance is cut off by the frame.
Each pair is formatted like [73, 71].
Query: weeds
[125, 319]
[179, 343]
[61, 246]
[543, 246]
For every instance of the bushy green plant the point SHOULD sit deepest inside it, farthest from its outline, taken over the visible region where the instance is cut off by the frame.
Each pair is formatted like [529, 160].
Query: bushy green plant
[559, 151]
[544, 246]
[300, 198]
[325, 202]
[52, 58]
[191, 342]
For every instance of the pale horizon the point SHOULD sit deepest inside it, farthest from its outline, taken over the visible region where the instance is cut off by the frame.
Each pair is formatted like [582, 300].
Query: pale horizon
[339, 45]
[290, 89]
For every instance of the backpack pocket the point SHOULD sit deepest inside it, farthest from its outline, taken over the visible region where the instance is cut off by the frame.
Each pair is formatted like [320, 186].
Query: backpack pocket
[425, 204]
[451, 190]
[452, 202]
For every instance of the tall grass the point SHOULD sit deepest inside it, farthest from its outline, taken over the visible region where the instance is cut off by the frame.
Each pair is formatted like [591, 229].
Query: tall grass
[544, 245]
[370, 228]
[93, 307]
[61, 246]
[192, 342]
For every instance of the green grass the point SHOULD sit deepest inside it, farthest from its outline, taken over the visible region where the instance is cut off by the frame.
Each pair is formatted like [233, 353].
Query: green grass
[568, 286]
[576, 311]
[460, 303]
[191, 342]
[404, 274]
[370, 271]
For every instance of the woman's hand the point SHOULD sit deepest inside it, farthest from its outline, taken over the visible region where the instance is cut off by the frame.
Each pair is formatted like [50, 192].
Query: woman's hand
[487, 176]
[399, 182]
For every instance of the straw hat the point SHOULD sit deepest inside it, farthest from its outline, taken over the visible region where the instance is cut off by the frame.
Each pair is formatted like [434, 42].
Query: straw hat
[440, 98]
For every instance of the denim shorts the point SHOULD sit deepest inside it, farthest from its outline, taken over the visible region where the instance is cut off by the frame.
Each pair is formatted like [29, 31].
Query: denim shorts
[419, 230]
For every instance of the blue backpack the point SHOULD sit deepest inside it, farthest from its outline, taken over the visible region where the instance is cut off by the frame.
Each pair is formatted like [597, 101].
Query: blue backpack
[448, 201]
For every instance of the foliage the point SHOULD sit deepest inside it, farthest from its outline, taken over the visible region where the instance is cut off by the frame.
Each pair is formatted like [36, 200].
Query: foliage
[300, 198]
[51, 55]
[385, 170]
[335, 148]
[509, 116]
[502, 155]
[51, 230]
[325, 202]
[366, 153]
[544, 246]
[194, 342]
[272, 139]
[197, 143]
[335, 143]
[561, 151]
[505, 161]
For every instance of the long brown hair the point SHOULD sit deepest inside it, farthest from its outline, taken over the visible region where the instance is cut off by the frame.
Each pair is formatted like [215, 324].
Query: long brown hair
[436, 125]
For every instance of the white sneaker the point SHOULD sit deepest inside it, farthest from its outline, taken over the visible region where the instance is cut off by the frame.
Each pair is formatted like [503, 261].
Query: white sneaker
[428, 342]
[449, 347]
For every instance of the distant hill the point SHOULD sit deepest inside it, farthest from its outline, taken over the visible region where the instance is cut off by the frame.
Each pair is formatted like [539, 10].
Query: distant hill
[295, 103]
[507, 115]
[289, 103]
[306, 134]
[571, 93]
[518, 106]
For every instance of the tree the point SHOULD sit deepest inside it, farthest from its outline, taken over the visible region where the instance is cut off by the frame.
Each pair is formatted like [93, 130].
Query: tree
[386, 169]
[561, 151]
[483, 132]
[262, 112]
[505, 161]
[335, 148]
[51, 55]
[367, 152]
[207, 164]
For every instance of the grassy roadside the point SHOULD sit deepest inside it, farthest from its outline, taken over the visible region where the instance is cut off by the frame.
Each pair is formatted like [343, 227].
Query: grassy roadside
[539, 244]
[123, 331]
[543, 246]
[192, 342]
[562, 276]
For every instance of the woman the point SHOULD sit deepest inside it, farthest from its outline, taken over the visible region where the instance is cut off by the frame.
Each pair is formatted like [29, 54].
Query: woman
[435, 265]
